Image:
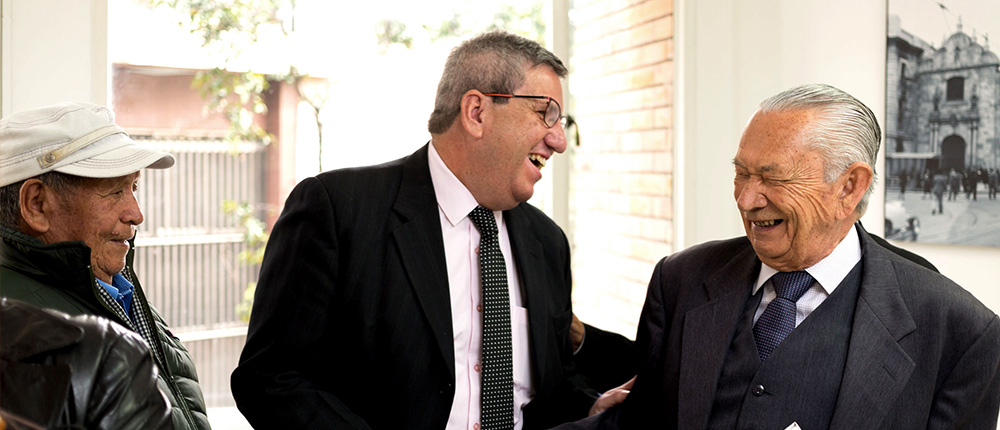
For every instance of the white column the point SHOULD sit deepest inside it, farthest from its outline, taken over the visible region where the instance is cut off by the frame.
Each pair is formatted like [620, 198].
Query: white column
[52, 51]
[559, 37]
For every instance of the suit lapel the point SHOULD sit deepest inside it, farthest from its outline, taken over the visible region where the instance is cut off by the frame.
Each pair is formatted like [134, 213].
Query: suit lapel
[421, 248]
[708, 332]
[877, 367]
[527, 249]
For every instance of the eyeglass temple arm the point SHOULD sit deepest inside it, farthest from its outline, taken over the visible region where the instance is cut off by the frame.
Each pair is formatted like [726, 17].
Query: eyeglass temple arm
[570, 122]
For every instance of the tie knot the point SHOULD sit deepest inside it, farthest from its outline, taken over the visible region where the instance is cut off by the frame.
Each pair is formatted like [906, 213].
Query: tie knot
[791, 285]
[484, 221]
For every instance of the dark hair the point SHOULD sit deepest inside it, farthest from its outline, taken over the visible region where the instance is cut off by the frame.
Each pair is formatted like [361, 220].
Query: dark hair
[10, 195]
[493, 62]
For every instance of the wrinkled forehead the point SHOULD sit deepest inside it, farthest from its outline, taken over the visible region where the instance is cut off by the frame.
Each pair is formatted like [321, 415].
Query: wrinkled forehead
[541, 80]
[101, 183]
[778, 131]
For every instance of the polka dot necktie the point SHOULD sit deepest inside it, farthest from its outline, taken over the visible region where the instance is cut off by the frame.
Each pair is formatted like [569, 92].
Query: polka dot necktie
[498, 378]
[778, 319]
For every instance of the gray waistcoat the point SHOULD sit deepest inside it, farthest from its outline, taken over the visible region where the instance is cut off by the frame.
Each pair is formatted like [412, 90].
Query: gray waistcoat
[800, 380]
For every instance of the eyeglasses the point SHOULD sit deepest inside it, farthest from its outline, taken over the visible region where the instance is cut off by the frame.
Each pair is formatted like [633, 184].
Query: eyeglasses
[553, 112]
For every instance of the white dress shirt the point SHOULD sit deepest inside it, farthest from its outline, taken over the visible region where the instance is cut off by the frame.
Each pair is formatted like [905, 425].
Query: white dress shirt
[461, 246]
[828, 273]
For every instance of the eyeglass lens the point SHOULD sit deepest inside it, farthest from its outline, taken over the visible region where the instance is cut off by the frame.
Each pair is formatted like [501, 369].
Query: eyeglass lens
[552, 113]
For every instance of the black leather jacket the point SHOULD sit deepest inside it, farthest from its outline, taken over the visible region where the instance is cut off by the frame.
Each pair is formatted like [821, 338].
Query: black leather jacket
[79, 372]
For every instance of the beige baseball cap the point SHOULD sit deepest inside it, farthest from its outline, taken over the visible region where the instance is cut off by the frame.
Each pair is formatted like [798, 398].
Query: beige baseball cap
[75, 138]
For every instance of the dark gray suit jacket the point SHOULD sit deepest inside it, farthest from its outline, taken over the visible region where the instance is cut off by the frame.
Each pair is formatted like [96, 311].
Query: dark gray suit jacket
[924, 353]
[351, 325]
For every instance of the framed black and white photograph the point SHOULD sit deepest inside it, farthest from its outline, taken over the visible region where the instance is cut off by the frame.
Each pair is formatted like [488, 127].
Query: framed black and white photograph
[942, 125]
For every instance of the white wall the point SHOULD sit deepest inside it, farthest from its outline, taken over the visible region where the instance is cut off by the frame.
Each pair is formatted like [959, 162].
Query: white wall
[731, 54]
[53, 51]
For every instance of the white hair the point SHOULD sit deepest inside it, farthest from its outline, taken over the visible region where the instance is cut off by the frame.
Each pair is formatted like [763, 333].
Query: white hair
[847, 131]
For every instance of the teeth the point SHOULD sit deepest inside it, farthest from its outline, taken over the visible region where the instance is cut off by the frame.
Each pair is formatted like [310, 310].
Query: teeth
[537, 159]
[764, 223]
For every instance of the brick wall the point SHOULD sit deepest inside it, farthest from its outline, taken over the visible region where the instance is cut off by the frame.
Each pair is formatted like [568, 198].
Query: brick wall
[622, 78]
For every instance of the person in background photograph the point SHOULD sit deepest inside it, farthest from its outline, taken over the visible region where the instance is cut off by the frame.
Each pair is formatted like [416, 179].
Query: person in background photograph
[993, 179]
[954, 183]
[940, 186]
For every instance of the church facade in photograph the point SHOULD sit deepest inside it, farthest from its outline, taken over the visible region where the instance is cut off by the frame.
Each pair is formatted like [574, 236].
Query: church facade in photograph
[942, 104]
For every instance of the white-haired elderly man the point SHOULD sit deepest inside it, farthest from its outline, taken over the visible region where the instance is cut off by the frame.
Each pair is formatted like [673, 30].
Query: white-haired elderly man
[806, 322]
[68, 210]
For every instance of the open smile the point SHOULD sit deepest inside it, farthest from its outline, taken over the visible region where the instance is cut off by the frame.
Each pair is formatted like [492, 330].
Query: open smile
[537, 159]
[767, 223]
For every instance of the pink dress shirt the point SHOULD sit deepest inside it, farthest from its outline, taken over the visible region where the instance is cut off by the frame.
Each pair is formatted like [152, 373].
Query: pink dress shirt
[461, 244]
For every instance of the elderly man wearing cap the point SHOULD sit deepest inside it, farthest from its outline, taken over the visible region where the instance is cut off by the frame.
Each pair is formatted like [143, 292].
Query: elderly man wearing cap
[68, 210]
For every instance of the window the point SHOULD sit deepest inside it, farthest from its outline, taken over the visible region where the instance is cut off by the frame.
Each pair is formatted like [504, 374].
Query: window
[956, 88]
[190, 261]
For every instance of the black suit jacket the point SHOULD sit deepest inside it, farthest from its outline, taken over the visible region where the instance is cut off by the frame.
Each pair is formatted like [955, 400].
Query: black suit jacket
[924, 353]
[351, 325]
[605, 358]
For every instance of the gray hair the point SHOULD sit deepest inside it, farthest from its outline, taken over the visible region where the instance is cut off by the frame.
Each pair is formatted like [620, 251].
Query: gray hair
[846, 133]
[10, 195]
[493, 62]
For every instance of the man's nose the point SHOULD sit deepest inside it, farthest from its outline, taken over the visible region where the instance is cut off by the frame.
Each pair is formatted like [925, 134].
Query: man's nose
[750, 196]
[133, 212]
[556, 138]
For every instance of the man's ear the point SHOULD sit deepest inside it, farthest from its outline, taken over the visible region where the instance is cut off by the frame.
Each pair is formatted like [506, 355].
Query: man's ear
[472, 113]
[36, 204]
[855, 182]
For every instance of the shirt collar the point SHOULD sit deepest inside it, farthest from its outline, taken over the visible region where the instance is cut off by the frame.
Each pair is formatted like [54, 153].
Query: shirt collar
[829, 271]
[454, 199]
[119, 286]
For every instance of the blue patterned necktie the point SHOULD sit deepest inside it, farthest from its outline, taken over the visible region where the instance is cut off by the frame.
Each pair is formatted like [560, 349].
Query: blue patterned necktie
[497, 377]
[778, 319]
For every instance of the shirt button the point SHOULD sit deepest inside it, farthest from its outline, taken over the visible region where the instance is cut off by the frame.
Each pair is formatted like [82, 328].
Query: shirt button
[758, 390]
[477, 367]
[479, 308]
[475, 426]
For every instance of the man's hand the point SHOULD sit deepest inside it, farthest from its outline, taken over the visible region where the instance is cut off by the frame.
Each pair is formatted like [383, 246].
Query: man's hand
[576, 332]
[611, 397]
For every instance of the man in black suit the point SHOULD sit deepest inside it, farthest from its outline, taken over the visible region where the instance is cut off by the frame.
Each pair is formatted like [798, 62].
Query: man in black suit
[869, 340]
[368, 312]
